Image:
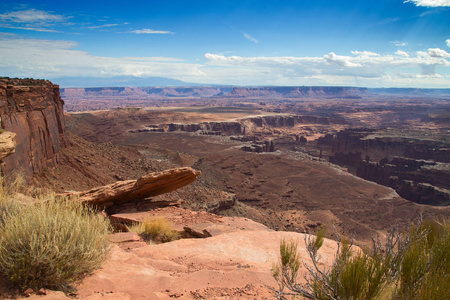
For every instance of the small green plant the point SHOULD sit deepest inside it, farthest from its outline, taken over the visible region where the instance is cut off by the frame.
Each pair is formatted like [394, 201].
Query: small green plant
[50, 244]
[410, 265]
[156, 230]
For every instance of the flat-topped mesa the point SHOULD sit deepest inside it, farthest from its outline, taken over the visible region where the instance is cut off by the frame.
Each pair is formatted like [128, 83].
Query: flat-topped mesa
[242, 125]
[33, 110]
[298, 92]
[150, 185]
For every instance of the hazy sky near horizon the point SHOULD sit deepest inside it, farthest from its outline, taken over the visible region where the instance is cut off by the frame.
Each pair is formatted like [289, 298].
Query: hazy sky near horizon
[382, 43]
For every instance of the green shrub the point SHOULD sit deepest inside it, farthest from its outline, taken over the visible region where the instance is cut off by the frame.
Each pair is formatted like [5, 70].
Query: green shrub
[51, 244]
[425, 267]
[412, 265]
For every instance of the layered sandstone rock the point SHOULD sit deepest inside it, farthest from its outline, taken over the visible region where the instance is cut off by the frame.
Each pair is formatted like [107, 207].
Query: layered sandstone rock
[242, 125]
[233, 263]
[7, 144]
[33, 110]
[147, 186]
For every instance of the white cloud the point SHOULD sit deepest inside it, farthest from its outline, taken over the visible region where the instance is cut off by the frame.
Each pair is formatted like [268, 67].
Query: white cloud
[342, 61]
[399, 44]
[166, 59]
[448, 42]
[7, 34]
[250, 38]
[31, 16]
[31, 19]
[151, 31]
[401, 53]
[429, 3]
[365, 53]
[29, 28]
[436, 52]
[50, 59]
[102, 26]
[363, 66]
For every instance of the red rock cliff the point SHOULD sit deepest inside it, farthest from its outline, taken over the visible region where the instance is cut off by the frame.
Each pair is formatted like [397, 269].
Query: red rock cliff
[33, 110]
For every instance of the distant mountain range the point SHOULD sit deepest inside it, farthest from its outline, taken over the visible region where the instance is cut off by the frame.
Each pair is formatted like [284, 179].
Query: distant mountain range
[268, 92]
[283, 91]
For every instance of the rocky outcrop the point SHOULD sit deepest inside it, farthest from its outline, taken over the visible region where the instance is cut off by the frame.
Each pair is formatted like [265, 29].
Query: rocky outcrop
[33, 110]
[241, 126]
[258, 147]
[373, 144]
[277, 121]
[147, 186]
[424, 182]
[7, 144]
[417, 167]
[233, 263]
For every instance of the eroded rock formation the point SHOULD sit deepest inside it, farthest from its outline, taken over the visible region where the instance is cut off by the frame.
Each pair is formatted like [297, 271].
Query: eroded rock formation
[33, 110]
[147, 186]
[241, 126]
[7, 144]
[424, 182]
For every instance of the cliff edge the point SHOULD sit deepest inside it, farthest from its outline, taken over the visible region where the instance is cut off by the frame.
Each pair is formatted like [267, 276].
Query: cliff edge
[33, 110]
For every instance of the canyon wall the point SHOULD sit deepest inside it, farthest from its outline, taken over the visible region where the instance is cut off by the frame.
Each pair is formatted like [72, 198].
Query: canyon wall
[33, 110]
[241, 126]
[418, 169]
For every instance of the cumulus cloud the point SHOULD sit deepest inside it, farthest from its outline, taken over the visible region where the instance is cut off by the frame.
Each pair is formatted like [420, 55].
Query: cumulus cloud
[364, 65]
[250, 38]
[151, 31]
[436, 52]
[430, 3]
[342, 61]
[448, 42]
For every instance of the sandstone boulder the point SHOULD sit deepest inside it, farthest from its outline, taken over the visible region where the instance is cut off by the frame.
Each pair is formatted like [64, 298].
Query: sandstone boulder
[147, 186]
[7, 144]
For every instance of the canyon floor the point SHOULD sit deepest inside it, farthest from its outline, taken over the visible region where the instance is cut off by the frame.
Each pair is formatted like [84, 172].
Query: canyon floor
[248, 195]
[284, 189]
[270, 163]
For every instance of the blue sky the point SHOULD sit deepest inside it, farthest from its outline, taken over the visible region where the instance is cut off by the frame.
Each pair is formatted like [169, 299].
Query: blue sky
[382, 43]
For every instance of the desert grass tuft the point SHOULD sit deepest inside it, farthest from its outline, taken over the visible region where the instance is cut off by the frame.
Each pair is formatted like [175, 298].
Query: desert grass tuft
[49, 244]
[156, 230]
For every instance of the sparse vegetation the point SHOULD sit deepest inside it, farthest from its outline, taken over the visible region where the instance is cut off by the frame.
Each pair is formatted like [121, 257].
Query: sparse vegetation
[156, 230]
[411, 265]
[49, 244]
